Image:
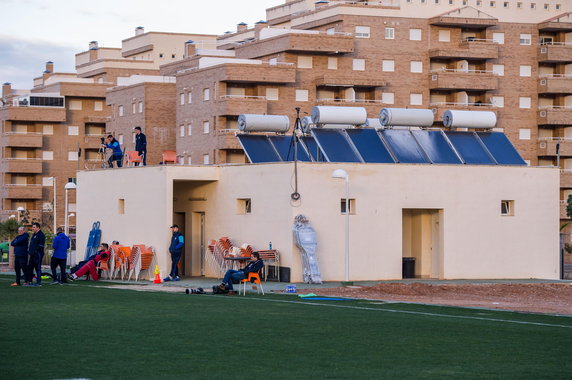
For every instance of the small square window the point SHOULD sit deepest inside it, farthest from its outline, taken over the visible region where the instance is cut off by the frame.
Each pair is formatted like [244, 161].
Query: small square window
[332, 63]
[48, 130]
[134, 108]
[140, 107]
[524, 134]
[121, 206]
[243, 206]
[352, 207]
[558, 7]
[182, 96]
[301, 95]
[189, 129]
[388, 65]
[362, 32]
[546, 6]
[358, 65]
[519, 5]
[532, 5]
[507, 208]
[206, 94]
[206, 159]
[72, 156]
[505, 4]
[120, 110]
[525, 39]
[182, 131]
[493, 3]
[189, 97]
[389, 33]
[206, 127]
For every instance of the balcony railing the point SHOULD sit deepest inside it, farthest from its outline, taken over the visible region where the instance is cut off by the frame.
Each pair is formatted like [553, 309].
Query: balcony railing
[21, 191]
[338, 100]
[23, 139]
[241, 97]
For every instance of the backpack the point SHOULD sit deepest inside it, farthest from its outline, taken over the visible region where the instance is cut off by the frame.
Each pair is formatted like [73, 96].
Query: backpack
[220, 289]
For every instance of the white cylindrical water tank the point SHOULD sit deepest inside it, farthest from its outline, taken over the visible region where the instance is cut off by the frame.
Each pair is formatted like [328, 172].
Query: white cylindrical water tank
[263, 123]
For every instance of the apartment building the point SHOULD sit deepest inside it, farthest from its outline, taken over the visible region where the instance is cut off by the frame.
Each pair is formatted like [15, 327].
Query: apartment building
[510, 57]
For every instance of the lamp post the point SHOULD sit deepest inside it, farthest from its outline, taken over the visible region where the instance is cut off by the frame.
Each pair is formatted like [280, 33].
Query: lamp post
[20, 210]
[54, 185]
[68, 186]
[342, 174]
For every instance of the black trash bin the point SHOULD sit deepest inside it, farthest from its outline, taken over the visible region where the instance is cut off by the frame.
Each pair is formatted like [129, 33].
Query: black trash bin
[408, 267]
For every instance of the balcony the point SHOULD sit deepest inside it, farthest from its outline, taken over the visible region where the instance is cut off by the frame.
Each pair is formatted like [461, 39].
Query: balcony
[457, 19]
[239, 104]
[97, 119]
[555, 84]
[356, 79]
[22, 140]
[439, 108]
[34, 214]
[555, 115]
[555, 52]
[565, 179]
[297, 41]
[21, 192]
[563, 205]
[259, 73]
[471, 48]
[478, 80]
[47, 114]
[547, 146]
[17, 165]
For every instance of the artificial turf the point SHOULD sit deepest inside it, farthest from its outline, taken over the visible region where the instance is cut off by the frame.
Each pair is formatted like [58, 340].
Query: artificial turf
[86, 331]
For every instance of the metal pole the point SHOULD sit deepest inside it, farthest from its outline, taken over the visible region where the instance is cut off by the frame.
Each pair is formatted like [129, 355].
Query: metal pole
[66, 214]
[347, 248]
[55, 212]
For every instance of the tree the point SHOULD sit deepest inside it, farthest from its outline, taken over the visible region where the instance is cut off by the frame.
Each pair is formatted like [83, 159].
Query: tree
[8, 229]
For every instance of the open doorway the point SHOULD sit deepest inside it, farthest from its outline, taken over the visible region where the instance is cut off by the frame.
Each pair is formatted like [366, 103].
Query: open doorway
[198, 244]
[179, 219]
[422, 243]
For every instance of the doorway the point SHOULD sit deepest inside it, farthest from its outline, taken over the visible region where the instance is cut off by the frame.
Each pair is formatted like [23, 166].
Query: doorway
[422, 231]
[198, 244]
[179, 219]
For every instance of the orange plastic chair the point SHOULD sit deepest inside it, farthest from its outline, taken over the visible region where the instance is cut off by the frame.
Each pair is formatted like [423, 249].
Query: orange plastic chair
[252, 277]
[132, 157]
[169, 156]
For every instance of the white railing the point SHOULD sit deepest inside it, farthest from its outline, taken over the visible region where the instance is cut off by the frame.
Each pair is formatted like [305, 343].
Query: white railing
[565, 171]
[445, 70]
[228, 131]
[474, 39]
[22, 159]
[35, 185]
[555, 107]
[462, 104]
[241, 97]
[555, 76]
[263, 63]
[23, 133]
[545, 43]
[337, 100]
[555, 139]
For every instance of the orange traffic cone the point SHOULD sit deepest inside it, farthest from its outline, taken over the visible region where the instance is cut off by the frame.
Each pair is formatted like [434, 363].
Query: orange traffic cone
[157, 277]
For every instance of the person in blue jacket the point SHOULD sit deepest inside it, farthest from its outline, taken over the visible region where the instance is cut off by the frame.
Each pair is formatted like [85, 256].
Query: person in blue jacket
[20, 244]
[176, 249]
[35, 254]
[117, 154]
[255, 265]
[61, 244]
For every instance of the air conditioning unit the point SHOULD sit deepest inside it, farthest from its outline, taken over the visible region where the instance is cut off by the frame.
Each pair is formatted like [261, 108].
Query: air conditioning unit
[542, 113]
[543, 50]
[543, 82]
[434, 77]
[542, 145]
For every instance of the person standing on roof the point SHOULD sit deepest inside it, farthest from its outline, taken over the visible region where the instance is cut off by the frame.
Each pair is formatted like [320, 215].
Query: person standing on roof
[61, 244]
[176, 249]
[141, 145]
[36, 254]
[20, 244]
[117, 154]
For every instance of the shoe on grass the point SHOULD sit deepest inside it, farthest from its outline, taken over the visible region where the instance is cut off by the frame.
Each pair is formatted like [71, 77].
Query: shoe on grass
[54, 282]
[15, 284]
[167, 279]
[176, 278]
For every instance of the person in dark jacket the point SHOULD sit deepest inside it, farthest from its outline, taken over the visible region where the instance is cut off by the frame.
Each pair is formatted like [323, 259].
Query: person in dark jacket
[176, 249]
[20, 244]
[141, 145]
[254, 266]
[91, 266]
[61, 244]
[117, 154]
[35, 255]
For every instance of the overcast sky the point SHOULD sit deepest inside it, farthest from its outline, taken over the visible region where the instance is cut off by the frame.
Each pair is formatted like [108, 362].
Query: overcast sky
[35, 31]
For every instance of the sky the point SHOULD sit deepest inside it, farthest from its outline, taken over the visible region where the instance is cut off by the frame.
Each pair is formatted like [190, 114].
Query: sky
[33, 32]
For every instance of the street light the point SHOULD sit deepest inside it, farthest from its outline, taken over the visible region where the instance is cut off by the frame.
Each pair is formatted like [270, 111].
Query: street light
[68, 186]
[54, 185]
[342, 174]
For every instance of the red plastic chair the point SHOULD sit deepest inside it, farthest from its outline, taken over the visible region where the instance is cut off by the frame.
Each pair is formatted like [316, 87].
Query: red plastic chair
[252, 277]
[169, 156]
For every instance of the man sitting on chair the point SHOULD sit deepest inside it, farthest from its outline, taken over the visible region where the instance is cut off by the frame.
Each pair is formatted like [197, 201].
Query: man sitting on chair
[254, 266]
[91, 266]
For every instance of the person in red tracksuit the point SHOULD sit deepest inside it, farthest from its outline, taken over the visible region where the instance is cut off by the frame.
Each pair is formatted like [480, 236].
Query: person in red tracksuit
[91, 265]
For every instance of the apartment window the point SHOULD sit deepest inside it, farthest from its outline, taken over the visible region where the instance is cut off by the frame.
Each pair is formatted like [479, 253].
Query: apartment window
[271, 94]
[206, 127]
[120, 110]
[532, 5]
[73, 130]
[121, 206]
[47, 155]
[524, 102]
[358, 65]
[304, 62]
[498, 38]
[352, 206]
[498, 70]
[416, 99]
[505, 4]
[498, 101]
[519, 5]
[415, 34]
[451, 2]
[189, 130]
[140, 107]
[72, 156]
[173, 56]
[301, 95]
[525, 71]
[332, 63]
[546, 6]
[98, 106]
[160, 55]
[182, 98]
[436, 1]
[389, 33]
[48, 129]
[134, 108]
[206, 159]
[47, 181]
[388, 97]
[243, 206]
[362, 32]
[388, 65]
[206, 94]
[493, 3]
[416, 66]
[120, 139]
[507, 208]
[181, 130]
[465, 2]
[525, 39]
[189, 97]
[479, 3]
[558, 7]
[524, 133]
[444, 36]
[75, 105]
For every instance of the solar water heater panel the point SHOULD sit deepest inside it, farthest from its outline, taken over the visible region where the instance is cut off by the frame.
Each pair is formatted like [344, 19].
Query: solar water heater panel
[470, 148]
[436, 147]
[258, 148]
[285, 148]
[369, 145]
[404, 146]
[335, 146]
[501, 148]
[313, 149]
